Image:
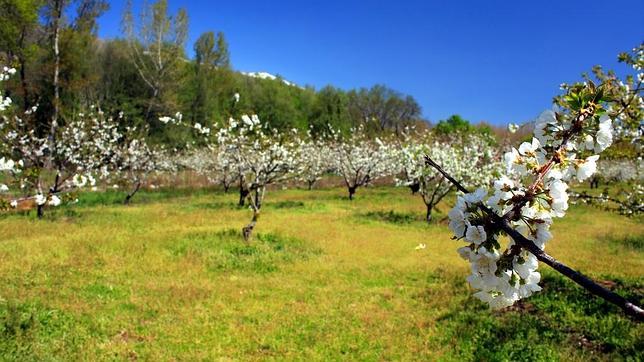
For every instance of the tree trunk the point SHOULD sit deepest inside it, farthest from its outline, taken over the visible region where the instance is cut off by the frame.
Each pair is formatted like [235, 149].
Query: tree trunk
[247, 231]
[56, 65]
[40, 211]
[415, 187]
[242, 195]
[428, 215]
[131, 194]
[258, 202]
[23, 83]
[311, 185]
[58, 9]
[152, 100]
[352, 191]
[226, 187]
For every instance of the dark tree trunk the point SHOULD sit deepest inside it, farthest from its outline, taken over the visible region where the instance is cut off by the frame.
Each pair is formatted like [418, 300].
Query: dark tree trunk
[311, 185]
[23, 84]
[242, 196]
[415, 187]
[226, 188]
[258, 202]
[352, 191]
[151, 104]
[428, 215]
[40, 210]
[131, 194]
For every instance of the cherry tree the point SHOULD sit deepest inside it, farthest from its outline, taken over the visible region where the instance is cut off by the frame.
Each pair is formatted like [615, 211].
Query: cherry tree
[134, 160]
[360, 160]
[214, 163]
[264, 156]
[229, 143]
[66, 159]
[313, 161]
[9, 168]
[470, 158]
[626, 109]
[531, 193]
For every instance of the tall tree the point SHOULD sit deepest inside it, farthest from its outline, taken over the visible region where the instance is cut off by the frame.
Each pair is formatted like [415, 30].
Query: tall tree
[330, 110]
[156, 46]
[69, 57]
[211, 61]
[383, 107]
[18, 40]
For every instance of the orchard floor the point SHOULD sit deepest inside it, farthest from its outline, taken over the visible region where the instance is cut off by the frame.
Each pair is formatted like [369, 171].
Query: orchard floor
[168, 278]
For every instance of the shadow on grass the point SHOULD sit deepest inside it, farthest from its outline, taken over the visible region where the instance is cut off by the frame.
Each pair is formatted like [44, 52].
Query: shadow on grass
[226, 251]
[27, 331]
[117, 197]
[394, 217]
[634, 242]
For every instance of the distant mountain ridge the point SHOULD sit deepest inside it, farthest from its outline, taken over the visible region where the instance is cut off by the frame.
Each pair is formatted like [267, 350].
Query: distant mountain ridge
[266, 75]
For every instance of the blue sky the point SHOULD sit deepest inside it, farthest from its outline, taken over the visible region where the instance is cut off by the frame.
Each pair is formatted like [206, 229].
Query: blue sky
[498, 61]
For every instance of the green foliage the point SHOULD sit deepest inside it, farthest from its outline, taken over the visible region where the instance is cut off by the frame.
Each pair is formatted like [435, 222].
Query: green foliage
[330, 108]
[382, 108]
[454, 124]
[622, 149]
[210, 82]
[146, 74]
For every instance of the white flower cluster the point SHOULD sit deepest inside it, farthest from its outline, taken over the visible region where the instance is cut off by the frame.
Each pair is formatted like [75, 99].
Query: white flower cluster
[531, 193]
[202, 129]
[177, 119]
[5, 102]
[513, 127]
[314, 159]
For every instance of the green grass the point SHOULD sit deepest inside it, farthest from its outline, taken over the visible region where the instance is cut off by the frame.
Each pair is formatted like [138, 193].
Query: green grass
[324, 278]
[393, 217]
[223, 251]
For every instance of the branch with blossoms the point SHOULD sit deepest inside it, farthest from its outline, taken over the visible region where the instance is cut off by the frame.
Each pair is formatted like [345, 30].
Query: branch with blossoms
[527, 198]
[630, 204]
[45, 169]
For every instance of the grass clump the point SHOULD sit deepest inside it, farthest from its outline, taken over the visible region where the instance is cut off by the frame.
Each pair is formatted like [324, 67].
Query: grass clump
[226, 251]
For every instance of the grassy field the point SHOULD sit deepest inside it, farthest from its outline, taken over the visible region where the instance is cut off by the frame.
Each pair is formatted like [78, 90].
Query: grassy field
[168, 278]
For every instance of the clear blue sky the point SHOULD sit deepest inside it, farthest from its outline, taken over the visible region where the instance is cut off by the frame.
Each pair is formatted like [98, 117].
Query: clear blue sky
[499, 61]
